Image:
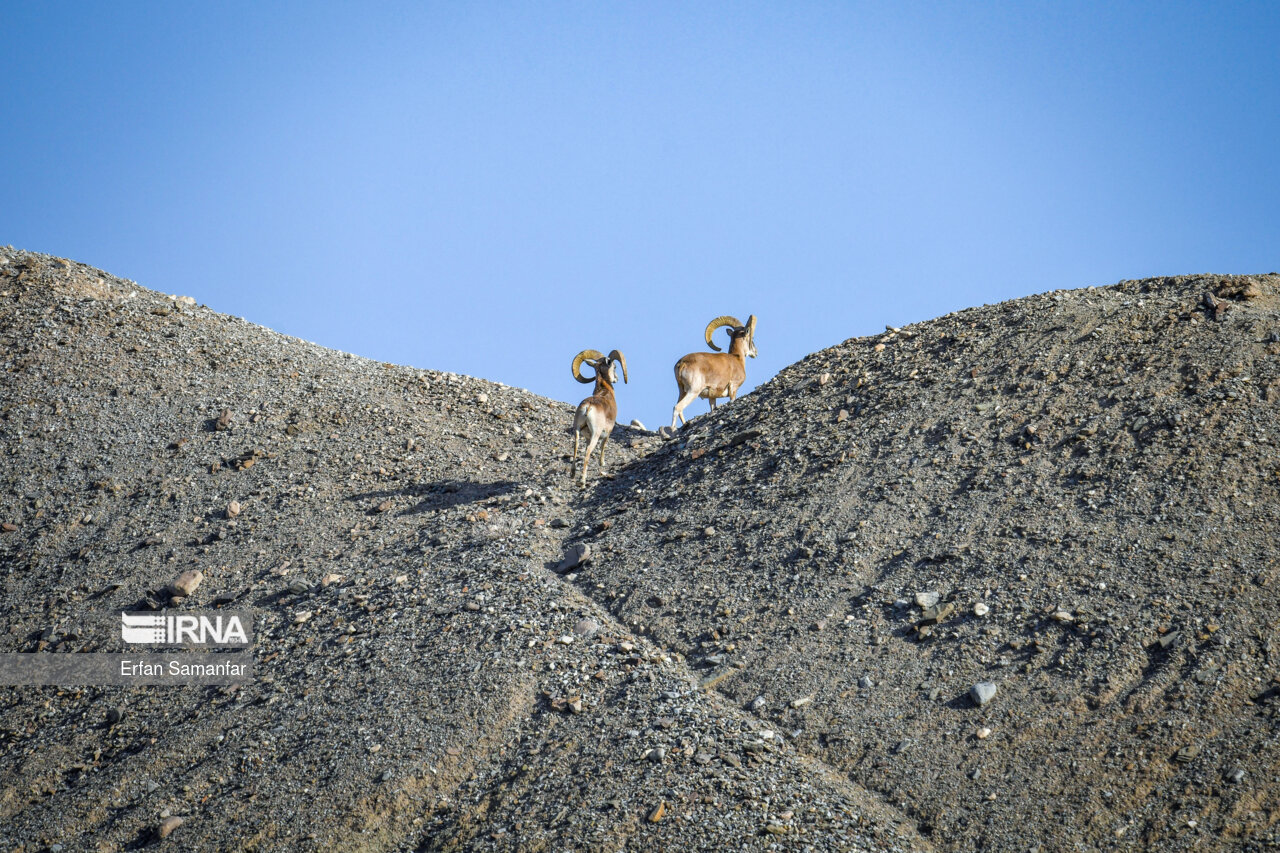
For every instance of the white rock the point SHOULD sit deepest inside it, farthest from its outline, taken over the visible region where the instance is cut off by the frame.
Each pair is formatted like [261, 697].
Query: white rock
[927, 599]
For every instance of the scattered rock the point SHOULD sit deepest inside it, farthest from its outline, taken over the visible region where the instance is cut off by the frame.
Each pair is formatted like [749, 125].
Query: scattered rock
[167, 826]
[575, 557]
[982, 692]
[233, 509]
[926, 599]
[186, 583]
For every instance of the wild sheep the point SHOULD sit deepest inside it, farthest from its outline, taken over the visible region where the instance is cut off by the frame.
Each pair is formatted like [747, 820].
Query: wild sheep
[596, 414]
[715, 374]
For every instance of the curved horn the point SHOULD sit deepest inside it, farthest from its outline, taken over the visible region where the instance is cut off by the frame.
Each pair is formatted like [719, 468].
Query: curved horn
[617, 356]
[724, 320]
[577, 364]
[751, 326]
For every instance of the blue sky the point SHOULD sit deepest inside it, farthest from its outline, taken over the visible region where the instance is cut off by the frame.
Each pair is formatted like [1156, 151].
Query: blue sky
[488, 188]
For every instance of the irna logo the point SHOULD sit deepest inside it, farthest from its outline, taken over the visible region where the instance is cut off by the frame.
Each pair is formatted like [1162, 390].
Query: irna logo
[173, 629]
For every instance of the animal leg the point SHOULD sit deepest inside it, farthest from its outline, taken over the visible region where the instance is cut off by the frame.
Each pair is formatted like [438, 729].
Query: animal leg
[603, 441]
[591, 446]
[680, 405]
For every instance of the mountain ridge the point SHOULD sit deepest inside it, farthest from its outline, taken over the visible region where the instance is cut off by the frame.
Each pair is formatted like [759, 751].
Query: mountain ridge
[742, 657]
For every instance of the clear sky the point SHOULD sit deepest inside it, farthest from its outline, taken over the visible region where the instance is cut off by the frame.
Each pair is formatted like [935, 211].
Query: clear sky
[488, 188]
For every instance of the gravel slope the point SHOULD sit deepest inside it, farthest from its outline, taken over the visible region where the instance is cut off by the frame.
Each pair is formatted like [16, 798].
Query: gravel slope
[1085, 482]
[424, 680]
[774, 644]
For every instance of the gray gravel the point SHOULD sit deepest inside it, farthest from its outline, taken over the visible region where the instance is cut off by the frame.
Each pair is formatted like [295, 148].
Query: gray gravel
[424, 678]
[768, 630]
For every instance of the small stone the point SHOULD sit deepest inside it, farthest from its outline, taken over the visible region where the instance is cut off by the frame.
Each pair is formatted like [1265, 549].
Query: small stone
[937, 613]
[842, 416]
[824, 379]
[656, 754]
[667, 432]
[927, 599]
[384, 506]
[298, 586]
[301, 616]
[167, 826]
[114, 716]
[658, 812]
[637, 425]
[330, 579]
[586, 627]
[574, 557]
[233, 509]
[223, 420]
[566, 640]
[982, 692]
[708, 532]
[758, 703]
[984, 733]
[8, 527]
[865, 682]
[186, 582]
[1236, 776]
[981, 609]
[1063, 616]
[482, 398]
[801, 702]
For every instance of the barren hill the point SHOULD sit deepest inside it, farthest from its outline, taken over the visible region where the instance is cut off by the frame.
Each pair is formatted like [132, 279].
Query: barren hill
[741, 663]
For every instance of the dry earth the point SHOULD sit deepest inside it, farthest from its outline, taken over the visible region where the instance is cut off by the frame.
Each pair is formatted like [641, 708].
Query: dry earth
[1070, 497]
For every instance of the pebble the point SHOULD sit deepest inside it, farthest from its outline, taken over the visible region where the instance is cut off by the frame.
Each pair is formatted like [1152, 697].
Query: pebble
[865, 682]
[186, 583]
[637, 425]
[658, 812]
[167, 826]
[586, 627]
[984, 733]
[981, 609]
[758, 703]
[927, 599]
[574, 557]
[233, 509]
[982, 692]
[301, 616]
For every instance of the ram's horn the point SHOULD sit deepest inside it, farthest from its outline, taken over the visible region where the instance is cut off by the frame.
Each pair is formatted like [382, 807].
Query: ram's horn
[617, 356]
[590, 356]
[726, 320]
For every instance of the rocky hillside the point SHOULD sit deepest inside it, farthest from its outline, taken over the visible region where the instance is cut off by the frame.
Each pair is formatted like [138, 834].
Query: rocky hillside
[776, 636]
